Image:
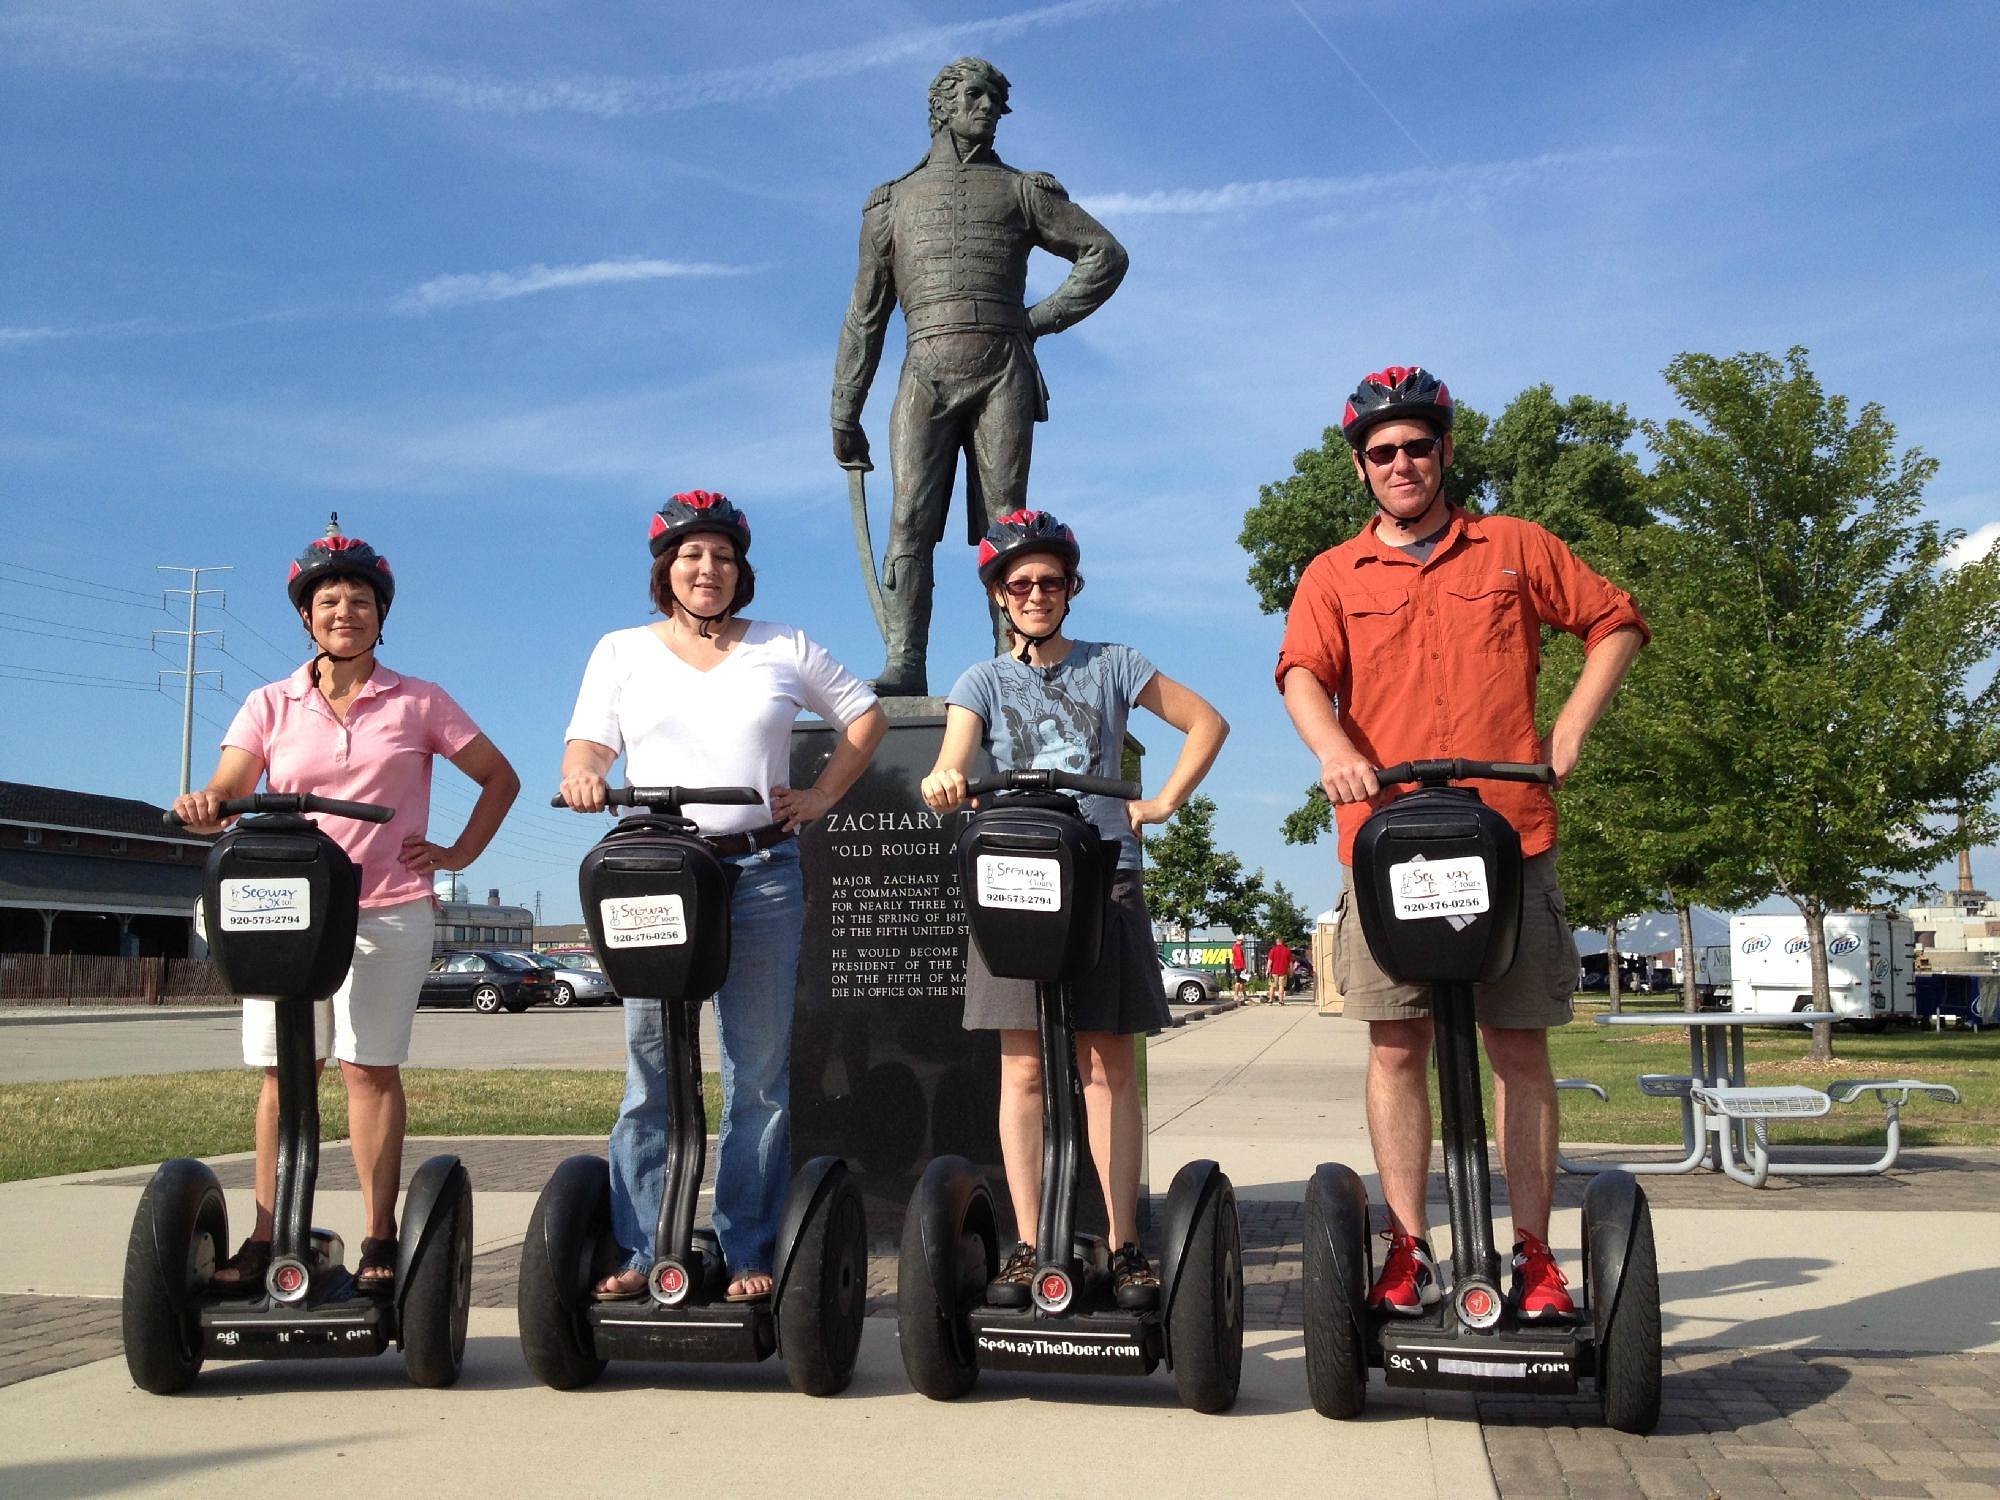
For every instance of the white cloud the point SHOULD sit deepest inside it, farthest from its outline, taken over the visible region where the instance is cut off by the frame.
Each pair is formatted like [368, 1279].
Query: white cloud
[1973, 546]
[502, 286]
[1475, 180]
[168, 46]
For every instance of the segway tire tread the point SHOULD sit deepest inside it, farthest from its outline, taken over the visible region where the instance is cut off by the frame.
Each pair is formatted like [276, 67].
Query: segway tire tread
[553, 1342]
[436, 1302]
[161, 1349]
[1336, 1358]
[826, 1297]
[1628, 1359]
[1206, 1321]
[931, 1328]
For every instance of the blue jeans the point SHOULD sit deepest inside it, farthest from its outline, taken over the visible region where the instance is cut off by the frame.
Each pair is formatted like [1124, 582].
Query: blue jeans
[753, 1020]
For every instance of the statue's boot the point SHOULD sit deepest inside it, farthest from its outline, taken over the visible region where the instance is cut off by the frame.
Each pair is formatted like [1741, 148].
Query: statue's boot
[906, 601]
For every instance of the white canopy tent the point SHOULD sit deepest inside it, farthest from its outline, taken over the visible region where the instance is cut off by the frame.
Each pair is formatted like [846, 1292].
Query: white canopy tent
[1658, 932]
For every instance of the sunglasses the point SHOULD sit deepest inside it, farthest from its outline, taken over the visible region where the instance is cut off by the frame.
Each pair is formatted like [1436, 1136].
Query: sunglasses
[1020, 588]
[1384, 454]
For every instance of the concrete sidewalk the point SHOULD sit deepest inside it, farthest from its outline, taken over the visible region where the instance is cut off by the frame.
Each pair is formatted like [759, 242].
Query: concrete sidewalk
[1838, 1340]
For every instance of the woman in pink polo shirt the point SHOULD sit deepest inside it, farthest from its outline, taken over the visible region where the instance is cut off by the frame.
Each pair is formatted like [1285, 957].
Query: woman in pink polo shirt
[346, 726]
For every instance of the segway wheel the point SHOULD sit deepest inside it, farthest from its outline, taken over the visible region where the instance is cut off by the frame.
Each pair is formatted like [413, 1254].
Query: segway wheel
[1628, 1352]
[178, 1235]
[1205, 1325]
[826, 1296]
[571, 1216]
[934, 1307]
[1336, 1291]
[438, 1301]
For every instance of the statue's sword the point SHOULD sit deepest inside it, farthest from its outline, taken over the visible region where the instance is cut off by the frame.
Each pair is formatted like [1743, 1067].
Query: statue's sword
[857, 498]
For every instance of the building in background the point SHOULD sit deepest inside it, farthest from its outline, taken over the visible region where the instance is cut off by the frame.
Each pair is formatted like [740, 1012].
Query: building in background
[87, 874]
[464, 924]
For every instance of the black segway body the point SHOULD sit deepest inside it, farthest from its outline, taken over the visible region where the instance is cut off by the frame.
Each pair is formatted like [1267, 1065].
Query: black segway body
[1437, 889]
[656, 900]
[281, 901]
[1037, 879]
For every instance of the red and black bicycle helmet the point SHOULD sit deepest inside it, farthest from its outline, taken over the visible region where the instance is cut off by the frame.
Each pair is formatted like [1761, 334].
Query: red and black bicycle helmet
[1025, 531]
[1400, 393]
[337, 556]
[699, 510]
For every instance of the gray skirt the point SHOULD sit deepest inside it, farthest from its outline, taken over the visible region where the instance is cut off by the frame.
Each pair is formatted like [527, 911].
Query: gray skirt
[1123, 994]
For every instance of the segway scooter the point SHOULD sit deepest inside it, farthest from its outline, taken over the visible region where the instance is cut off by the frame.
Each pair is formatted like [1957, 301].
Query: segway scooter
[280, 902]
[1036, 879]
[1437, 883]
[656, 899]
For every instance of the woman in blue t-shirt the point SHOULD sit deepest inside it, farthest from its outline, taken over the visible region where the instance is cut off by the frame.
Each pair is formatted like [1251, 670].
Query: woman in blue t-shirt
[1062, 704]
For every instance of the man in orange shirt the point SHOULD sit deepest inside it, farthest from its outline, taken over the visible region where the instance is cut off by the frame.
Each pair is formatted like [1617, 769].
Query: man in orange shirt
[1420, 638]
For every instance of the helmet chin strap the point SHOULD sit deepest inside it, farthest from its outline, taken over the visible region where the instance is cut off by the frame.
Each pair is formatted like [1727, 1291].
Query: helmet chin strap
[706, 620]
[1383, 510]
[1028, 642]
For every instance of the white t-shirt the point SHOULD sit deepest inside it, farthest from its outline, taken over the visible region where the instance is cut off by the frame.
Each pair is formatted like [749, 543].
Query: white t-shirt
[729, 726]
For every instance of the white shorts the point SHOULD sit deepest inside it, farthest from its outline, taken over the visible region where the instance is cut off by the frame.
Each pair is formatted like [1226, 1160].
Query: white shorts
[369, 1017]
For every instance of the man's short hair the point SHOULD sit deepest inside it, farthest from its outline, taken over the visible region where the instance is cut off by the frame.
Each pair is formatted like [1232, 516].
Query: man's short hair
[945, 86]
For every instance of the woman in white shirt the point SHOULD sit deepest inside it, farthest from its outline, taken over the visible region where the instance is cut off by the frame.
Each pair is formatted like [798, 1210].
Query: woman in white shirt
[708, 698]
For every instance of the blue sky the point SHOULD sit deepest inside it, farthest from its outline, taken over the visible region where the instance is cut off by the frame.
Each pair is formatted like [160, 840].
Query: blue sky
[494, 279]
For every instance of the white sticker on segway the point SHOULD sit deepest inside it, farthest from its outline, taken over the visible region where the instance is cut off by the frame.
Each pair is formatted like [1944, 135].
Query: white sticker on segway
[644, 921]
[1439, 888]
[1007, 880]
[281, 903]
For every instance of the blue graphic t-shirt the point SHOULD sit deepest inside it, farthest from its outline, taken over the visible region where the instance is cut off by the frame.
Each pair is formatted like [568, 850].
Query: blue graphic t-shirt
[1069, 717]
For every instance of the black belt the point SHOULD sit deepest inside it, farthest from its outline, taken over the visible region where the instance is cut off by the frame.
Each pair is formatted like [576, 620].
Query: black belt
[732, 844]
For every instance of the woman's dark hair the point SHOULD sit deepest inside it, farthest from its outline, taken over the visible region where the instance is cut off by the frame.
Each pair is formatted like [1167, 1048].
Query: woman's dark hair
[662, 588]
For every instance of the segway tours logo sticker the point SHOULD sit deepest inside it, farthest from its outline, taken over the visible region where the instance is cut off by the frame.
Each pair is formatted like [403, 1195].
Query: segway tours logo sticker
[1449, 888]
[280, 903]
[1019, 884]
[643, 921]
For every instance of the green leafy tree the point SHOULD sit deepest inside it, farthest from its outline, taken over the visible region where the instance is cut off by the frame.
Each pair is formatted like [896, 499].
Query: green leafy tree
[1842, 728]
[1191, 883]
[1283, 917]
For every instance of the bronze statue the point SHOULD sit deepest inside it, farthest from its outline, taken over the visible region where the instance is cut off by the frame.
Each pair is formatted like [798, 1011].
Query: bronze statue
[950, 240]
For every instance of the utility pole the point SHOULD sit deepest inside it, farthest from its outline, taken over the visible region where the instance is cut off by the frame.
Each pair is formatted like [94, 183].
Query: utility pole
[538, 908]
[194, 591]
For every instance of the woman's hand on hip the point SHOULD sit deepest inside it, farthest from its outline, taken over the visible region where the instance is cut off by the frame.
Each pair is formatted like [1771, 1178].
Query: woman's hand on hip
[421, 855]
[583, 791]
[795, 809]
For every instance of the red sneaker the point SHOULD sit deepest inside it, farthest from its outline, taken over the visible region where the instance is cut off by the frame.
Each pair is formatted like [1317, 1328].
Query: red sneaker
[1409, 1280]
[1541, 1292]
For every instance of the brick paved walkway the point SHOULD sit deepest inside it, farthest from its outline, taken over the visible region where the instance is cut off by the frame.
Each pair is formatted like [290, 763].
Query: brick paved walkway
[1735, 1424]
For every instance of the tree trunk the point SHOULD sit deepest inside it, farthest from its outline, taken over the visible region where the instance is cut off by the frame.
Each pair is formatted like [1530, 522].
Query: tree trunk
[1690, 995]
[1613, 980]
[1822, 993]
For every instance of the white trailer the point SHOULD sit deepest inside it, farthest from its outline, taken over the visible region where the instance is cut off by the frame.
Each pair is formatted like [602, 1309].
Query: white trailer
[1870, 965]
[1712, 972]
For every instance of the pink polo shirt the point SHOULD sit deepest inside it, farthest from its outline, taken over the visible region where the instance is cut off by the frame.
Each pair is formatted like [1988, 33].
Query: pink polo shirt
[382, 754]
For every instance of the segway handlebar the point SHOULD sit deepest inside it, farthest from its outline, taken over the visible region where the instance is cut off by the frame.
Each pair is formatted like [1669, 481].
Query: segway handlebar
[675, 797]
[1053, 781]
[1437, 772]
[294, 802]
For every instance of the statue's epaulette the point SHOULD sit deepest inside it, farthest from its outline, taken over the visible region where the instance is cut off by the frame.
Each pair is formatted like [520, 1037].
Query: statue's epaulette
[880, 196]
[1046, 183]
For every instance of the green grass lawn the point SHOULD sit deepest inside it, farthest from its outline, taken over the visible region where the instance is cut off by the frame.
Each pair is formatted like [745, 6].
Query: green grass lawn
[1616, 1056]
[51, 1128]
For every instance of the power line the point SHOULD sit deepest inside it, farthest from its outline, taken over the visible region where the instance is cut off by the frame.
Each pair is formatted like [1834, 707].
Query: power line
[81, 640]
[23, 583]
[86, 582]
[72, 679]
[290, 657]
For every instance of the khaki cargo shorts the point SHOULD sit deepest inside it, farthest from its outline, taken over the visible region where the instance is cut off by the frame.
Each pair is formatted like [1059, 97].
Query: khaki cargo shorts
[1535, 993]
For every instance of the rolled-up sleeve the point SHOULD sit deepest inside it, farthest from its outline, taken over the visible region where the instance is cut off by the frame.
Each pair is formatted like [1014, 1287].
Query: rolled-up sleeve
[1315, 632]
[1569, 593]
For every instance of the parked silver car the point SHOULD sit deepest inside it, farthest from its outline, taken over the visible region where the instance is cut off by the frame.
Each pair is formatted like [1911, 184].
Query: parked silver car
[1189, 986]
[574, 984]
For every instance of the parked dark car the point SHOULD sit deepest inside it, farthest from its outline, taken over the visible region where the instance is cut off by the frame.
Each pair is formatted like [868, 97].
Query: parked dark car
[487, 982]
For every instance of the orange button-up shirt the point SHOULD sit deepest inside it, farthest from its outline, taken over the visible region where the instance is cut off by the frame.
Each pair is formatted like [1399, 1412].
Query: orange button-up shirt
[1439, 659]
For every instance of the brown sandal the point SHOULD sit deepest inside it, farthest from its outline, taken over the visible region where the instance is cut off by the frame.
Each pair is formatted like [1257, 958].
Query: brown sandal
[377, 1270]
[245, 1269]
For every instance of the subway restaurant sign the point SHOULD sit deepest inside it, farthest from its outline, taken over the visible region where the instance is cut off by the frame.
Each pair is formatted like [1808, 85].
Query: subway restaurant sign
[1200, 955]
